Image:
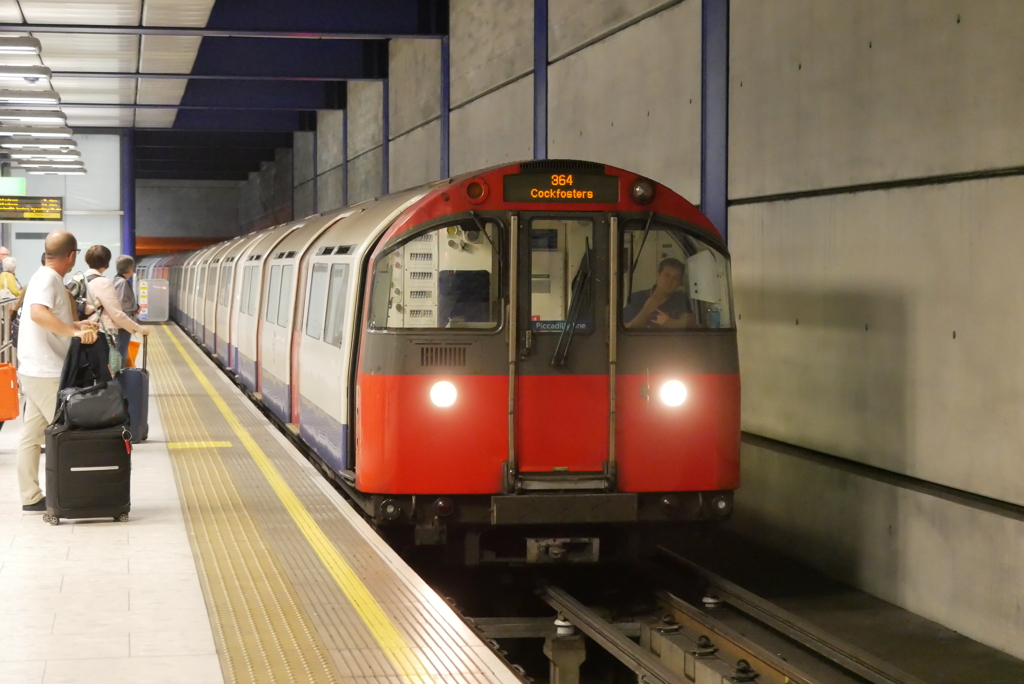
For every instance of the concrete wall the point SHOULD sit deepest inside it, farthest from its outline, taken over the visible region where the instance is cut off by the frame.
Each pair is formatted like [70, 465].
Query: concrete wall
[180, 208]
[266, 198]
[879, 326]
[414, 99]
[365, 134]
[631, 99]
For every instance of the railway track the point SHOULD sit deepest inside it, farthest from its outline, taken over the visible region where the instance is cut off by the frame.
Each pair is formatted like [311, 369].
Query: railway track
[704, 629]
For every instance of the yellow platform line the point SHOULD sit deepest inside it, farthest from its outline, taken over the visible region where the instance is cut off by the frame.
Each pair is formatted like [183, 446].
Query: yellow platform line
[198, 445]
[405, 660]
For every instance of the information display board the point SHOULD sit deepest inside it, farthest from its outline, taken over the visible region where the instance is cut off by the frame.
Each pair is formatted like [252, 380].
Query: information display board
[561, 187]
[31, 208]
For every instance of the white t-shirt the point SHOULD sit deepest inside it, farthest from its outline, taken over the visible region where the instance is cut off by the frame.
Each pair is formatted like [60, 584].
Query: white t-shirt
[40, 352]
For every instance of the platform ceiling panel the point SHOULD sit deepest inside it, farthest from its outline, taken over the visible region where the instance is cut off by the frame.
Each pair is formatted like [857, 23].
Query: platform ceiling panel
[194, 13]
[100, 117]
[89, 52]
[9, 12]
[95, 12]
[155, 118]
[161, 91]
[96, 90]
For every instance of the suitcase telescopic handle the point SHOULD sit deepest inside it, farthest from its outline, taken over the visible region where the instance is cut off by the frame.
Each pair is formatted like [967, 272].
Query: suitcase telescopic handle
[145, 346]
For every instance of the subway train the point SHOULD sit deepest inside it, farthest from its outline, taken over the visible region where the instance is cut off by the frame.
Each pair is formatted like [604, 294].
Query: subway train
[532, 363]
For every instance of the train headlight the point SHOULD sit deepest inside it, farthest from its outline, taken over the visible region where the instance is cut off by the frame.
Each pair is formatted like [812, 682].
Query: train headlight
[642, 191]
[673, 393]
[443, 394]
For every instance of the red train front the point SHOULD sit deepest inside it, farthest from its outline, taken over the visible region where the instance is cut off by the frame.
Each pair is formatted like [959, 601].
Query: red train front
[547, 363]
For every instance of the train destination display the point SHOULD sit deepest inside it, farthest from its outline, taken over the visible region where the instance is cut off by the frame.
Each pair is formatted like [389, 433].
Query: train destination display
[31, 209]
[561, 187]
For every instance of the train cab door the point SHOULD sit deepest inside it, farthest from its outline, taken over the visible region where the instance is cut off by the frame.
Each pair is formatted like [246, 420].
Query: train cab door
[561, 401]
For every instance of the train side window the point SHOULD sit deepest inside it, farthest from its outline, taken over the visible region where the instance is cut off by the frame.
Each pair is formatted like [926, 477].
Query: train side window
[211, 284]
[202, 281]
[285, 307]
[445, 278]
[560, 277]
[246, 284]
[336, 299]
[225, 284]
[254, 292]
[317, 302]
[673, 279]
[273, 294]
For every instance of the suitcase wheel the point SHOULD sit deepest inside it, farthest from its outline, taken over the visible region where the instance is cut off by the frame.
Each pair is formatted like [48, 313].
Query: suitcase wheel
[122, 518]
[52, 519]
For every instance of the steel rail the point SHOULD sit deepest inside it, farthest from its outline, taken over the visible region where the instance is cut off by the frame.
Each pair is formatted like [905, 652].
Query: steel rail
[743, 645]
[846, 655]
[647, 666]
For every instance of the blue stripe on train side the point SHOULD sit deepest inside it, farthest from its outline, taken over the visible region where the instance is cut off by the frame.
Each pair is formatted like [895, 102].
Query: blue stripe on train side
[246, 371]
[324, 433]
[234, 359]
[276, 396]
[222, 349]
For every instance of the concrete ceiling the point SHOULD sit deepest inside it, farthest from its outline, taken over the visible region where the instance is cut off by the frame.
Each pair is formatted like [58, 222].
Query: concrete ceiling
[210, 86]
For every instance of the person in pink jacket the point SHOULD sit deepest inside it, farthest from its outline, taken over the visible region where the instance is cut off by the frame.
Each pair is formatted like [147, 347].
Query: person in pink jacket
[104, 294]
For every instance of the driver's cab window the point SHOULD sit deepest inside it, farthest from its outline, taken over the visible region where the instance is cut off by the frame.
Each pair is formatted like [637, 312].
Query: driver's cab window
[672, 280]
[560, 274]
[444, 278]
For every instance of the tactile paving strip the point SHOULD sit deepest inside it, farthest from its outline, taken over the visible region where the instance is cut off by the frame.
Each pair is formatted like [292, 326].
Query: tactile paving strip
[262, 634]
[378, 621]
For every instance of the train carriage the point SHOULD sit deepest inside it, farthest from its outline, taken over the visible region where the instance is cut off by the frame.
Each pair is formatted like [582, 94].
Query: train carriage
[526, 363]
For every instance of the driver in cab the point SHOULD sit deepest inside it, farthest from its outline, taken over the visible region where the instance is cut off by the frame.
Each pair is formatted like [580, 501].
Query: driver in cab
[664, 305]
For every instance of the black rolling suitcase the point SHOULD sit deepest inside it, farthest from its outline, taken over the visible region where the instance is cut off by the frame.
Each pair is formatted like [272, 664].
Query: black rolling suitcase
[135, 384]
[88, 473]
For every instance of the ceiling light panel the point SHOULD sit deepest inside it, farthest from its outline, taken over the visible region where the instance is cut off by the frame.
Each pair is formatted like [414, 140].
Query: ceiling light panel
[155, 118]
[166, 91]
[96, 12]
[168, 54]
[34, 98]
[82, 117]
[36, 131]
[95, 90]
[194, 13]
[90, 52]
[31, 117]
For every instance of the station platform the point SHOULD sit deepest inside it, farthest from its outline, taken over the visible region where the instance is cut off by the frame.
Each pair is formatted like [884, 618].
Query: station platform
[240, 563]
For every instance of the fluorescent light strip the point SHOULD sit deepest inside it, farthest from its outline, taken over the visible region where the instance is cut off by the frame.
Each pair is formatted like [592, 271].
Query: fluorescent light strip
[20, 45]
[31, 74]
[32, 117]
[42, 156]
[36, 131]
[57, 173]
[42, 99]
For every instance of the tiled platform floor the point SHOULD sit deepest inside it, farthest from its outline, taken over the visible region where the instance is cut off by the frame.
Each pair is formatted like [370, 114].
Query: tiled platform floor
[102, 602]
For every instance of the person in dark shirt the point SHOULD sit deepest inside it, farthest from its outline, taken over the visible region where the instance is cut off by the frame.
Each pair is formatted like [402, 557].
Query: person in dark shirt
[664, 305]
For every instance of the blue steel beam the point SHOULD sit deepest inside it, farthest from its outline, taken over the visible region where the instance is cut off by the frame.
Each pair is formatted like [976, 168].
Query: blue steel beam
[540, 79]
[714, 122]
[128, 193]
[446, 107]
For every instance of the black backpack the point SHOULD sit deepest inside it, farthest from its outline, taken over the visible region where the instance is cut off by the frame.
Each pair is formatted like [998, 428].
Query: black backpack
[79, 289]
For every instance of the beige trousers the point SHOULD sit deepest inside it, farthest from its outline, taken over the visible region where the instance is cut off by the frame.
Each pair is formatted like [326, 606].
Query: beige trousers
[40, 403]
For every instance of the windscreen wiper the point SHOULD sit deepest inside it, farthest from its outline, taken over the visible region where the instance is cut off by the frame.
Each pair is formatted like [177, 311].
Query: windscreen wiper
[580, 285]
[643, 241]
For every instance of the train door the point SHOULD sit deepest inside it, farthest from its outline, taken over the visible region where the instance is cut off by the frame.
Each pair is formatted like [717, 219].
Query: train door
[562, 387]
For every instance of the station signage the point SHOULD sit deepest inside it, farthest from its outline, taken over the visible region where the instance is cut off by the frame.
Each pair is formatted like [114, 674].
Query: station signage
[561, 187]
[31, 208]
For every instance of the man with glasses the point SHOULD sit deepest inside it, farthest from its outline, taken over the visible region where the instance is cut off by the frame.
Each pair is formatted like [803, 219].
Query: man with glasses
[43, 342]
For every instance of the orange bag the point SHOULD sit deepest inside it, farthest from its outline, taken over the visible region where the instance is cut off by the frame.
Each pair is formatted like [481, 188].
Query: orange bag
[133, 351]
[8, 392]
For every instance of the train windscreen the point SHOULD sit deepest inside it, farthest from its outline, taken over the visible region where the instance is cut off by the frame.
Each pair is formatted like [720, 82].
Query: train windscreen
[673, 280]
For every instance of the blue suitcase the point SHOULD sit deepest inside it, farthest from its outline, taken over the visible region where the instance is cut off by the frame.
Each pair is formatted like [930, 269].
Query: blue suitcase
[135, 384]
